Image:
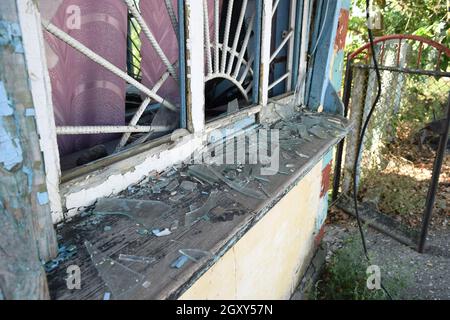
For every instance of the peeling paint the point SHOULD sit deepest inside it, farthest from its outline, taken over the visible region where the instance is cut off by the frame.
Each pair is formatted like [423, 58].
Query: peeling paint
[29, 172]
[5, 106]
[10, 35]
[11, 152]
[42, 198]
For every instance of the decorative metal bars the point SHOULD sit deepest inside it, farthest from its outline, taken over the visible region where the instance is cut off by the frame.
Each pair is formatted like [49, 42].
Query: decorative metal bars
[151, 93]
[233, 63]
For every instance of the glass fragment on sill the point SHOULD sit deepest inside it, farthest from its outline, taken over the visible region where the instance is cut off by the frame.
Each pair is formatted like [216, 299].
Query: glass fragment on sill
[161, 233]
[192, 216]
[233, 106]
[179, 262]
[140, 259]
[173, 185]
[319, 132]
[203, 173]
[301, 155]
[188, 185]
[235, 186]
[117, 277]
[143, 212]
[195, 254]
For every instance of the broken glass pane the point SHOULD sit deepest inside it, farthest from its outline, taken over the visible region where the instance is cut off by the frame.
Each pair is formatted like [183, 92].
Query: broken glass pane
[119, 278]
[131, 258]
[235, 186]
[203, 211]
[195, 254]
[143, 212]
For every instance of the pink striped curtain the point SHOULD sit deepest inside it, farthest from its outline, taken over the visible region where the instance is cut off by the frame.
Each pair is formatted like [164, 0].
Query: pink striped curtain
[85, 93]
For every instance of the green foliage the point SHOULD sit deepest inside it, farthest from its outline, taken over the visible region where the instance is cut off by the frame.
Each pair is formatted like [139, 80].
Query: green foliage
[345, 277]
[427, 18]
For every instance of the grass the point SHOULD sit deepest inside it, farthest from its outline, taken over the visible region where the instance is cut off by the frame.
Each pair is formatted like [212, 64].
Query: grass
[345, 278]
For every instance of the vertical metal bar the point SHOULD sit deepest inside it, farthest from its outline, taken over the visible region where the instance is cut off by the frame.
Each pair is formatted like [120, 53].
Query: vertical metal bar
[434, 181]
[419, 55]
[292, 26]
[216, 36]
[438, 63]
[182, 63]
[399, 51]
[237, 36]
[172, 16]
[130, 67]
[207, 37]
[297, 41]
[226, 35]
[340, 148]
[257, 61]
[244, 48]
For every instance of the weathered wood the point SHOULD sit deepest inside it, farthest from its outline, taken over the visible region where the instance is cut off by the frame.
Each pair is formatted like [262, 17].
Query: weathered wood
[113, 235]
[26, 230]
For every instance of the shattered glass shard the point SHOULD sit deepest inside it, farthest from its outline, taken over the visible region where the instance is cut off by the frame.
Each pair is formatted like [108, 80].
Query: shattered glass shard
[143, 212]
[195, 254]
[192, 216]
[235, 186]
[203, 173]
[131, 258]
[319, 132]
[119, 278]
[188, 185]
[172, 186]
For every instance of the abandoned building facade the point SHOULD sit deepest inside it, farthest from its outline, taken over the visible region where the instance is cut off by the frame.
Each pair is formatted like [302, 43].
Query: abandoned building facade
[114, 118]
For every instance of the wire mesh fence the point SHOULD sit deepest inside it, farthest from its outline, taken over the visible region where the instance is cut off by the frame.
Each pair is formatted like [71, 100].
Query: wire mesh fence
[400, 147]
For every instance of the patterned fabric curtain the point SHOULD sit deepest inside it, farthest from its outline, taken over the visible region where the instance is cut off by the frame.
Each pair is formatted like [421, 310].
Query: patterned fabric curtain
[85, 93]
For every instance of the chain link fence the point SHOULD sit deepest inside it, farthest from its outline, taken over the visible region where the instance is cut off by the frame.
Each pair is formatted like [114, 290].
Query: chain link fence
[401, 143]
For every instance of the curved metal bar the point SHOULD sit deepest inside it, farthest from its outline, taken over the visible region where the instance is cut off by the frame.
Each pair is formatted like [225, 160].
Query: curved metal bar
[438, 46]
[231, 79]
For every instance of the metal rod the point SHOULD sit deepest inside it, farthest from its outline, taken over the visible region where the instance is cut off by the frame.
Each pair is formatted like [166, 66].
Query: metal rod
[105, 63]
[405, 70]
[182, 64]
[244, 47]
[247, 69]
[431, 197]
[137, 116]
[257, 49]
[173, 17]
[216, 35]
[123, 141]
[73, 130]
[149, 35]
[276, 82]
[226, 35]
[340, 148]
[282, 44]
[207, 37]
[275, 6]
[237, 35]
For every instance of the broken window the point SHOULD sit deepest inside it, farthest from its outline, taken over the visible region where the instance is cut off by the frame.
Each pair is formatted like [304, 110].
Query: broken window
[114, 74]
[232, 49]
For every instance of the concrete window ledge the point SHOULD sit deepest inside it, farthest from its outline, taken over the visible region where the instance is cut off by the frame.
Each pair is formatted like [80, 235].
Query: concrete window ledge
[259, 251]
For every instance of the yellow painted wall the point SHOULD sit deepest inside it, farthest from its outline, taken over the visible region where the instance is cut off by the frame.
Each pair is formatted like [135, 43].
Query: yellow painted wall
[266, 262]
